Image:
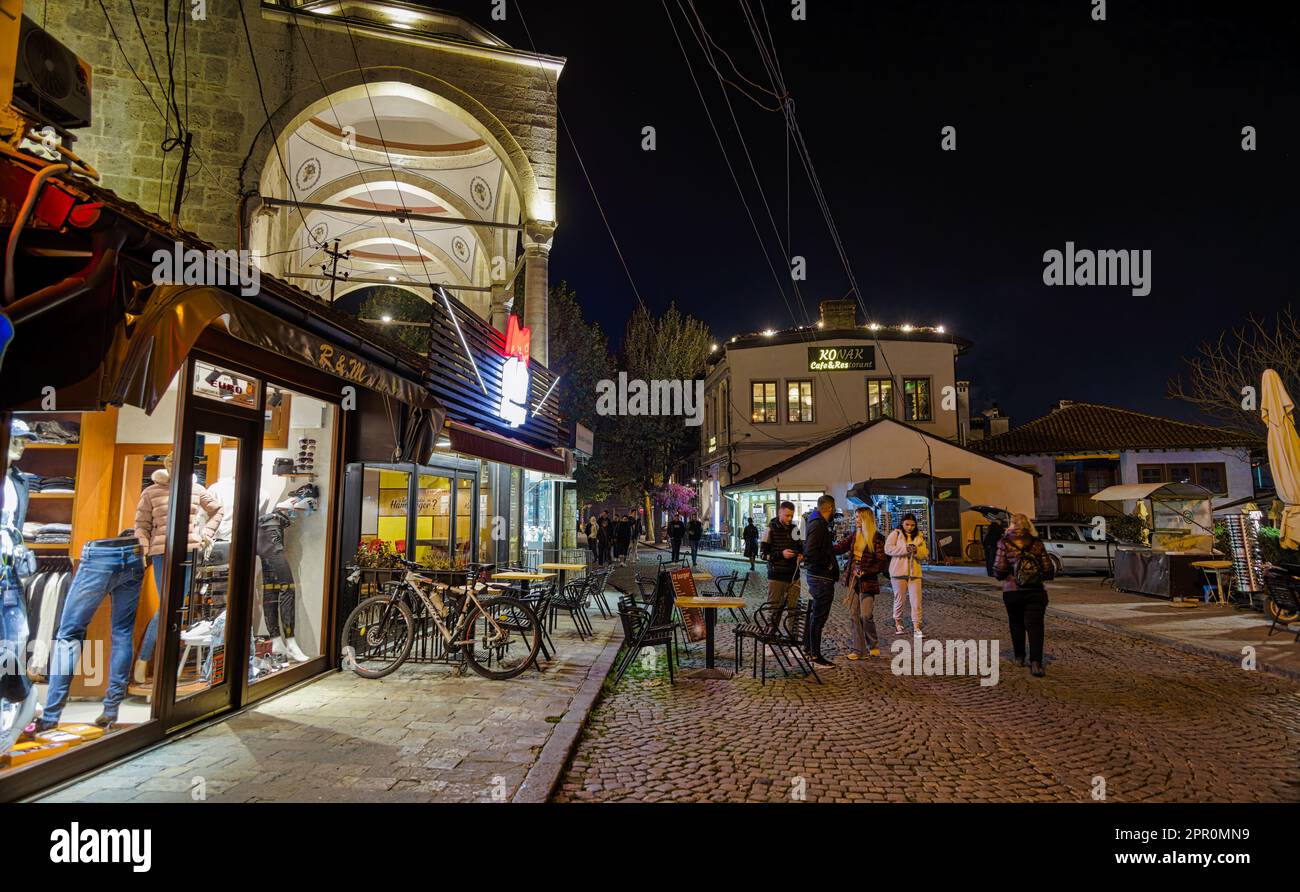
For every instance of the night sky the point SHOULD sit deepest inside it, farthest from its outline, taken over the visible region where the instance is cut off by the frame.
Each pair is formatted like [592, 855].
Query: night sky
[1123, 134]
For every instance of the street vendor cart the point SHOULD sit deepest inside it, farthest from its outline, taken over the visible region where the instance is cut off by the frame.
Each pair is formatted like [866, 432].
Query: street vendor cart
[1182, 534]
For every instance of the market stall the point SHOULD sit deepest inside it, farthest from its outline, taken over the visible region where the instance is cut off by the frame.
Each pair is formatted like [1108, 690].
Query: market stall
[1182, 534]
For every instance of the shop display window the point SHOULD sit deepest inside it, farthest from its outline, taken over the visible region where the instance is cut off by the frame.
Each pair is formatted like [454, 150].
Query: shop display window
[539, 514]
[464, 521]
[294, 506]
[433, 522]
[82, 625]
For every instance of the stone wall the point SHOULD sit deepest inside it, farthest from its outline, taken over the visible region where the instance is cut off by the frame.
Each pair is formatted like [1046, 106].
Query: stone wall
[226, 114]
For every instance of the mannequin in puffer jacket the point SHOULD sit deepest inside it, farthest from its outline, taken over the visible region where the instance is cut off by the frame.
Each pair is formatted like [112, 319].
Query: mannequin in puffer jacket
[151, 532]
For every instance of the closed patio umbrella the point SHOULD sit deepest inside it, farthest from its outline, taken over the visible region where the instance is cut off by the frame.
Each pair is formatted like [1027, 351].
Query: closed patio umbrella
[1278, 411]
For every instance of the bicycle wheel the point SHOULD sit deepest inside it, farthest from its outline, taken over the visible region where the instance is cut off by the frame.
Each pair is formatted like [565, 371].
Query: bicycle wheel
[377, 636]
[501, 637]
[1277, 613]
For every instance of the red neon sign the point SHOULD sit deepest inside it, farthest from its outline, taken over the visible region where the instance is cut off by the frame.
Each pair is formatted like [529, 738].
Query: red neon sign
[519, 340]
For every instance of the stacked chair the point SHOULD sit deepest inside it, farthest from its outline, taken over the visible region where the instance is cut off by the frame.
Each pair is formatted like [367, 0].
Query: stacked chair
[786, 642]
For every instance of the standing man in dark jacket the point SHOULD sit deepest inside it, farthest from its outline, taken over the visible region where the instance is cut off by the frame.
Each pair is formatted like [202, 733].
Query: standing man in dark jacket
[751, 541]
[992, 536]
[782, 548]
[676, 532]
[823, 569]
[694, 533]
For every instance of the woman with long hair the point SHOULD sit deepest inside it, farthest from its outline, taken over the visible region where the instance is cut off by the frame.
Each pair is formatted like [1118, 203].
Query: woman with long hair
[861, 578]
[906, 545]
[1023, 567]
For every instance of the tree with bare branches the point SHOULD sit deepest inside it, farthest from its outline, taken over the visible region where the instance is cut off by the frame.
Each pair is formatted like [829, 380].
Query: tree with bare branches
[1216, 378]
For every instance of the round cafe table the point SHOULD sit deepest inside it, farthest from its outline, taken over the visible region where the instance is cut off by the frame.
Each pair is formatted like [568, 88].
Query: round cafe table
[710, 606]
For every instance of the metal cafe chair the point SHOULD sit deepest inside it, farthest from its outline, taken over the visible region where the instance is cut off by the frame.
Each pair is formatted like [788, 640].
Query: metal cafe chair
[639, 631]
[573, 598]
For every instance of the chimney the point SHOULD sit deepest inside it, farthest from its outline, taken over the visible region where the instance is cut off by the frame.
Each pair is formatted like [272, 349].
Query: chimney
[1065, 404]
[839, 314]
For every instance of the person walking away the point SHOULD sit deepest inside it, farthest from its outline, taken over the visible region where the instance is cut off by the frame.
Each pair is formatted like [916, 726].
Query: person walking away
[623, 535]
[819, 550]
[992, 536]
[1023, 567]
[676, 532]
[907, 546]
[782, 548]
[750, 535]
[604, 534]
[867, 561]
[695, 532]
[635, 538]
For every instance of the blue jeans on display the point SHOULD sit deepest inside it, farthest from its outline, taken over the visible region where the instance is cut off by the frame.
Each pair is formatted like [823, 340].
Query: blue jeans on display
[115, 571]
[13, 638]
[822, 593]
[151, 634]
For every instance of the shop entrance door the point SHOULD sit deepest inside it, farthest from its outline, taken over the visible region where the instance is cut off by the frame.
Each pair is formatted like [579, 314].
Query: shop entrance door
[205, 615]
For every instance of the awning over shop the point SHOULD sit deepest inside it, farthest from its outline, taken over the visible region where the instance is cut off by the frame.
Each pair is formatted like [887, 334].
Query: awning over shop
[176, 315]
[907, 485]
[494, 447]
[1127, 492]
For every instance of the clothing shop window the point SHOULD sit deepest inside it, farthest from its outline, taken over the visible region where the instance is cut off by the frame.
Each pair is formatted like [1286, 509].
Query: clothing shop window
[916, 400]
[880, 398]
[294, 506]
[80, 602]
[799, 402]
[539, 517]
[763, 402]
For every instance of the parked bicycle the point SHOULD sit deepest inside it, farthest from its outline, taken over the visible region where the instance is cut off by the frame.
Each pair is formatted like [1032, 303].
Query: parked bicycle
[498, 635]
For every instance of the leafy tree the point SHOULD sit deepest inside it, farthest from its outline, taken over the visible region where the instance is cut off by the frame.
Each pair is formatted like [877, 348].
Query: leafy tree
[401, 306]
[1214, 379]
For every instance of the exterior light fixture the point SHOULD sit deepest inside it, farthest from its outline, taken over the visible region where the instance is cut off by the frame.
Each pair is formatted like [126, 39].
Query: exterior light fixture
[713, 349]
[392, 278]
[939, 329]
[768, 333]
[875, 326]
[385, 318]
[907, 328]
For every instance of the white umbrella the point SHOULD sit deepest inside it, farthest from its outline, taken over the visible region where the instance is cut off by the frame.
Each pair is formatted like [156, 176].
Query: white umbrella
[1278, 411]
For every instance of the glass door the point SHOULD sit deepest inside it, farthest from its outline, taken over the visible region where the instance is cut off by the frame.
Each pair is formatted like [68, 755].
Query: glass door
[205, 603]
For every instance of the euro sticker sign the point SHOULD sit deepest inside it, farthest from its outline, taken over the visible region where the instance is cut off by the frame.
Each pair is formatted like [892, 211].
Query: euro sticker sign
[514, 376]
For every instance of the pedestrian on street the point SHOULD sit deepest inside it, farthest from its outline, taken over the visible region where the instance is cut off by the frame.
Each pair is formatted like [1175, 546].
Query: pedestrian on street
[751, 542]
[992, 536]
[819, 551]
[694, 533]
[622, 538]
[862, 579]
[676, 532]
[635, 538]
[1023, 567]
[782, 548]
[604, 536]
[906, 545]
[593, 541]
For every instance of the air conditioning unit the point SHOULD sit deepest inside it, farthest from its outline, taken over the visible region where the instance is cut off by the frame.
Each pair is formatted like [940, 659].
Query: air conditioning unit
[51, 82]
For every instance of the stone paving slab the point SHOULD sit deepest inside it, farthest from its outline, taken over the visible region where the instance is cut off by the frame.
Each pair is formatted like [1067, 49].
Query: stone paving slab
[1150, 721]
[420, 735]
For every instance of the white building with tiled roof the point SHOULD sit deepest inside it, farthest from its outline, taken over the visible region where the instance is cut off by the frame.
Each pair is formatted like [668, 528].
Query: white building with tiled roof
[1080, 448]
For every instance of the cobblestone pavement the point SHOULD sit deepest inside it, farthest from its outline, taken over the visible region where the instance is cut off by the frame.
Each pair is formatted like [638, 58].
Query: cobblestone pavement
[1153, 722]
[420, 735]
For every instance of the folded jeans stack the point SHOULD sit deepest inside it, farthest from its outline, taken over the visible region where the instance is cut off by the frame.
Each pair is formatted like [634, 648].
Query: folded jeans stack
[60, 484]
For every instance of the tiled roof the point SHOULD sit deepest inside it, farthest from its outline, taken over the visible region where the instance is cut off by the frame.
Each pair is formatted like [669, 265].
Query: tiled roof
[1085, 427]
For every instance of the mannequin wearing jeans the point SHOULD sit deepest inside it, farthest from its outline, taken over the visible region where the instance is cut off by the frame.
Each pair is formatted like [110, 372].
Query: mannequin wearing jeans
[17, 694]
[279, 593]
[109, 568]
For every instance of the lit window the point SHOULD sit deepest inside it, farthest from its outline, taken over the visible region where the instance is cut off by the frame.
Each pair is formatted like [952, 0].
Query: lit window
[880, 398]
[763, 403]
[799, 402]
[1065, 482]
[916, 400]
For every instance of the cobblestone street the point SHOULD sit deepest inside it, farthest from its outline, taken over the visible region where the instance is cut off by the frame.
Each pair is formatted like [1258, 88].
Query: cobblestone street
[1154, 722]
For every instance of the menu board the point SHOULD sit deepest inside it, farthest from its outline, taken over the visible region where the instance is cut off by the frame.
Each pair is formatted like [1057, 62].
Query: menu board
[692, 617]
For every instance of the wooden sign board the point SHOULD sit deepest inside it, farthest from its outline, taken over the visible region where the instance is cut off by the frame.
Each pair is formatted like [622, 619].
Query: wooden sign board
[692, 617]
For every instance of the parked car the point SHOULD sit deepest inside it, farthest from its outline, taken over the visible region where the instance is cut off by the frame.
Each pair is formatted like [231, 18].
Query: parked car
[1072, 547]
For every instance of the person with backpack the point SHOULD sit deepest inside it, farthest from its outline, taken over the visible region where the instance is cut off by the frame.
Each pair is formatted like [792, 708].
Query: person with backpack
[1023, 567]
[750, 535]
[782, 548]
[906, 545]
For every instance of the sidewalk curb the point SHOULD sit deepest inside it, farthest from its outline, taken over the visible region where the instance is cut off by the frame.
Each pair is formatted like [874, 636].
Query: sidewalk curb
[544, 775]
[1156, 638]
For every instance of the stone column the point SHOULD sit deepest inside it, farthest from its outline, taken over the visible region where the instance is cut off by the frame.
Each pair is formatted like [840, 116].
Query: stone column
[537, 251]
[498, 312]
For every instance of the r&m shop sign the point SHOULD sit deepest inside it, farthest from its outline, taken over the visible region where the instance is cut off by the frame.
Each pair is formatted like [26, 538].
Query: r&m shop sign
[841, 359]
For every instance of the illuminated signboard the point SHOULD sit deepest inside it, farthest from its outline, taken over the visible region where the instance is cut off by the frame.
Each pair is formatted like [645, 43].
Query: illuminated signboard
[514, 375]
[841, 359]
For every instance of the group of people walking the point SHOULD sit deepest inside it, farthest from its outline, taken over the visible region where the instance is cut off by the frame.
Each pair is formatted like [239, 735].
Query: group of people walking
[614, 540]
[1020, 562]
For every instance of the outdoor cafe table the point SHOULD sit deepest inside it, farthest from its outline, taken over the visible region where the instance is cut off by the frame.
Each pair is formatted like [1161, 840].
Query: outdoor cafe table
[563, 569]
[710, 606]
[522, 576]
